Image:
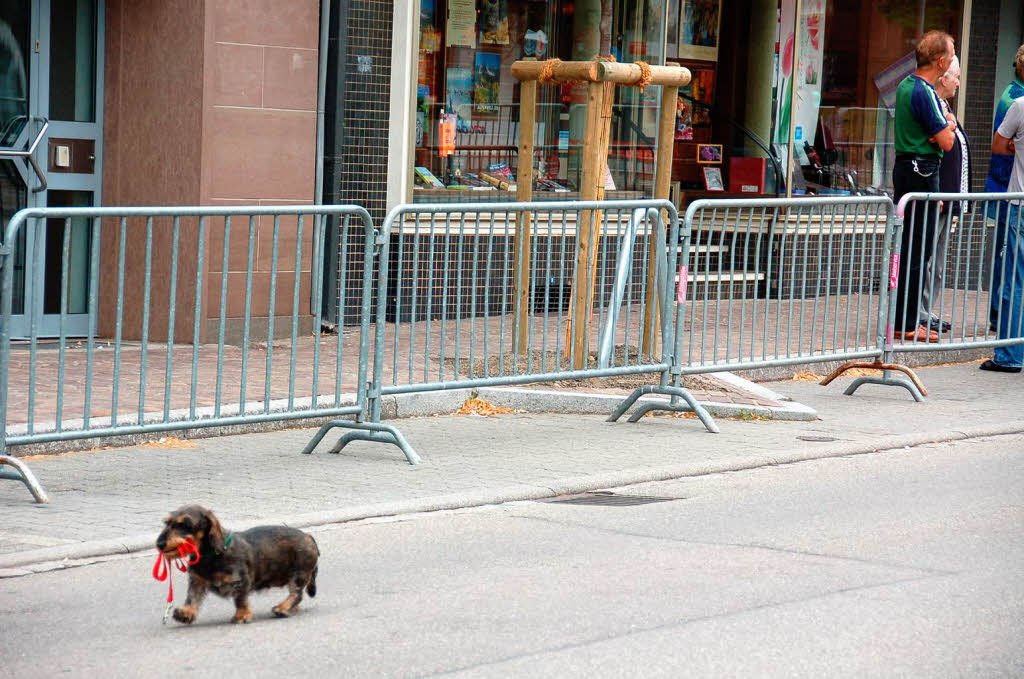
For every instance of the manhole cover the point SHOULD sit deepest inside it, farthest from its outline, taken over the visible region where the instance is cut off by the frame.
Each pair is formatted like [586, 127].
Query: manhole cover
[817, 439]
[609, 499]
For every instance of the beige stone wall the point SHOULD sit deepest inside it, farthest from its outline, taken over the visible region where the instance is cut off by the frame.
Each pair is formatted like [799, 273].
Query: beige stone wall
[210, 102]
[259, 144]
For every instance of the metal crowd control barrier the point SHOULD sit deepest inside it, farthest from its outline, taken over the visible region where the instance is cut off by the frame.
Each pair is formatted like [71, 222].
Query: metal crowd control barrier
[176, 282]
[782, 281]
[774, 282]
[956, 273]
[448, 315]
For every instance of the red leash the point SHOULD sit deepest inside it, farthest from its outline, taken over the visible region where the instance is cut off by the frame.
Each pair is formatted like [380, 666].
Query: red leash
[188, 555]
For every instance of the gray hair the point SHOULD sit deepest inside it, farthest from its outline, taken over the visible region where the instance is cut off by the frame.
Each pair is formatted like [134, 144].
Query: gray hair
[955, 65]
[1018, 62]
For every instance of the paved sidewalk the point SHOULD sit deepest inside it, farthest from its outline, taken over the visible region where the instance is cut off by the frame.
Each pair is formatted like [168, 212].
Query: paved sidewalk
[723, 331]
[112, 500]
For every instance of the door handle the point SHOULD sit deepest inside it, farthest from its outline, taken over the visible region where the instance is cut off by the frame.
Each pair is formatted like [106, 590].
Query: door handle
[29, 154]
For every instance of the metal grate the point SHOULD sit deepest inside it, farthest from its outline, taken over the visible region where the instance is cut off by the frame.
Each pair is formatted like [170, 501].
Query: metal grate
[609, 499]
[355, 134]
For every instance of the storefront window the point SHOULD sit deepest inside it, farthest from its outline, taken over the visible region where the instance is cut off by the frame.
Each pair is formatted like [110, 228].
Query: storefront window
[852, 56]
[466, 51]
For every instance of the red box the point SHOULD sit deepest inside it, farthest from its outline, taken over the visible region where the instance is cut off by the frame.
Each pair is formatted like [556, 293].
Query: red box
[746, 175]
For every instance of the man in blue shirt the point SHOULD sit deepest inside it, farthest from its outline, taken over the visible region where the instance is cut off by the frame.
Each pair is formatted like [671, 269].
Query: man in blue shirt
[999, 167]
[923, 133]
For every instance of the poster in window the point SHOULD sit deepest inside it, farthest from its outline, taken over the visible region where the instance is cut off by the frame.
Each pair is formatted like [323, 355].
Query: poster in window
[460, 31]
[695, 101]
[494, 22]
[486, 80]
[709, 153]
[430, 37]
[699, 24]
[713, 179]
[459, 93]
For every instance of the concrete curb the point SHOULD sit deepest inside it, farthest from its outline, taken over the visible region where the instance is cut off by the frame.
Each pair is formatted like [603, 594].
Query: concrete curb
[21, 563]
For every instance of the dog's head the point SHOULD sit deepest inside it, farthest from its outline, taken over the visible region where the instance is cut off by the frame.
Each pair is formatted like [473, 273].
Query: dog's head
[194, 523]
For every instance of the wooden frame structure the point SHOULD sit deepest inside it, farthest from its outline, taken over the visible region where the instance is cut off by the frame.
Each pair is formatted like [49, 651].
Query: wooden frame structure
[601, 77]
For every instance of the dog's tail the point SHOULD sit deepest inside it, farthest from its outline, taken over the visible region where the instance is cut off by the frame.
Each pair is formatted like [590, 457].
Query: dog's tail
[311, 587]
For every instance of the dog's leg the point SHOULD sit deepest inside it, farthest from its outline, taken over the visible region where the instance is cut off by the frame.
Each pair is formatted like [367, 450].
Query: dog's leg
[291, 602]
[243, 613]
[196, 593]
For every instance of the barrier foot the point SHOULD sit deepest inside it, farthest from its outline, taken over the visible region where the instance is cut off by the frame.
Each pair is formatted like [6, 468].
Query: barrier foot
[25, 475]
[916, 387]
[365, 431]
[676, 392]
[889, 382]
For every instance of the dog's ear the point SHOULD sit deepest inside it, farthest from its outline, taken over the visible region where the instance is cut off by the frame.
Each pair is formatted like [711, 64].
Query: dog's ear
[214, 532]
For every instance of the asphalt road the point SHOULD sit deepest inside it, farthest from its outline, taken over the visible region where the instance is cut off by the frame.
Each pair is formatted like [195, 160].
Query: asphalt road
[897, 564]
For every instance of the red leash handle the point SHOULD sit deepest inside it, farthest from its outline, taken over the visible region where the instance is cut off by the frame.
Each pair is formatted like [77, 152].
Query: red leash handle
[188, 555]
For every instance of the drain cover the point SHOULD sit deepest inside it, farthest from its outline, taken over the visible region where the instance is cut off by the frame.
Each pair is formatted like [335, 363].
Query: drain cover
[608, 499]
[817, 439]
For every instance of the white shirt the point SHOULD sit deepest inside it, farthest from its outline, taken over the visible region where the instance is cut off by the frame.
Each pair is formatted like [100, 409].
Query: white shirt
[1012, 127]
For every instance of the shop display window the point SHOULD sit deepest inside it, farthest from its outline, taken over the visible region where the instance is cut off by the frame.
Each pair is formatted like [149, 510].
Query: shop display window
[853, 55]
[466, 137]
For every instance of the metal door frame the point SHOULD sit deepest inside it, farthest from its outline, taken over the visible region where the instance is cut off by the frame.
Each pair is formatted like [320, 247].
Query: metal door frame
[39, 106]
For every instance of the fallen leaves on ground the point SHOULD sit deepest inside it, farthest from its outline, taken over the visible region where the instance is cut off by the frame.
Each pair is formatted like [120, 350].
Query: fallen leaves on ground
[852, 372]
[478, 406]
[170, 442]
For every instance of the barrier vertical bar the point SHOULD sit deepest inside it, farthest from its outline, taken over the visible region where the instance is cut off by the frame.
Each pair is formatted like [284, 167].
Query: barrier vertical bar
[272, 310]
[171, 308]
[147, 289]
[94, 282]
[197, 314]
[65, 261]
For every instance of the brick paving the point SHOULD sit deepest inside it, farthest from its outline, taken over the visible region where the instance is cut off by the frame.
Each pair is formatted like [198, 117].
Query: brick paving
[718, 333]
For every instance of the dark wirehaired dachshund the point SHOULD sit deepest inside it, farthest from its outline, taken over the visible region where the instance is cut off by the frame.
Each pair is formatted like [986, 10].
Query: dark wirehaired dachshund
[234, 564]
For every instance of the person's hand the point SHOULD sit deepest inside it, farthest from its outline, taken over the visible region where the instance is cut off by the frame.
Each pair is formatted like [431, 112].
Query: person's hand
[951, 121]
[1013, 148]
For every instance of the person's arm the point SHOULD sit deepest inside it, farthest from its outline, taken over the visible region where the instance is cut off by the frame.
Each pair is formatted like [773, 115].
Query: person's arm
[1008, 130]
[1001, 144]
[945, 138]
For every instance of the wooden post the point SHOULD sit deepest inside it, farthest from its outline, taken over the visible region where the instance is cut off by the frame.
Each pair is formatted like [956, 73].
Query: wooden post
[662, 179]
[524, 192]
[601, 78]
[592, 178]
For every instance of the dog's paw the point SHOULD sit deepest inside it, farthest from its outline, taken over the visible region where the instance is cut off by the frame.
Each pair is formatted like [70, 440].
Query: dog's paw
[242, 615]
[185, 614]
[281, 611]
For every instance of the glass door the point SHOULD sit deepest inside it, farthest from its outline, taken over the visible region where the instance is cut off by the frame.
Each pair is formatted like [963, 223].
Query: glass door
[54, 47]
[17, 26]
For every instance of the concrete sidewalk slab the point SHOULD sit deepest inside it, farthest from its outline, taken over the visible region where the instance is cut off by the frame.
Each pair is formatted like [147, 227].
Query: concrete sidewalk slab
[111, 501]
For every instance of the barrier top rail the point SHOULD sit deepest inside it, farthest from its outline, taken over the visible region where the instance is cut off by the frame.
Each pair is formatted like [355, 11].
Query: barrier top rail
[171, 211]
[907, 197]
[532, 206]
[705, 203]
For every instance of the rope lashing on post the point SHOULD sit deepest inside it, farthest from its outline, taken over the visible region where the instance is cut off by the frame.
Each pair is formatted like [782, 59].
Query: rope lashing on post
[645, 75]
[547, 72]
